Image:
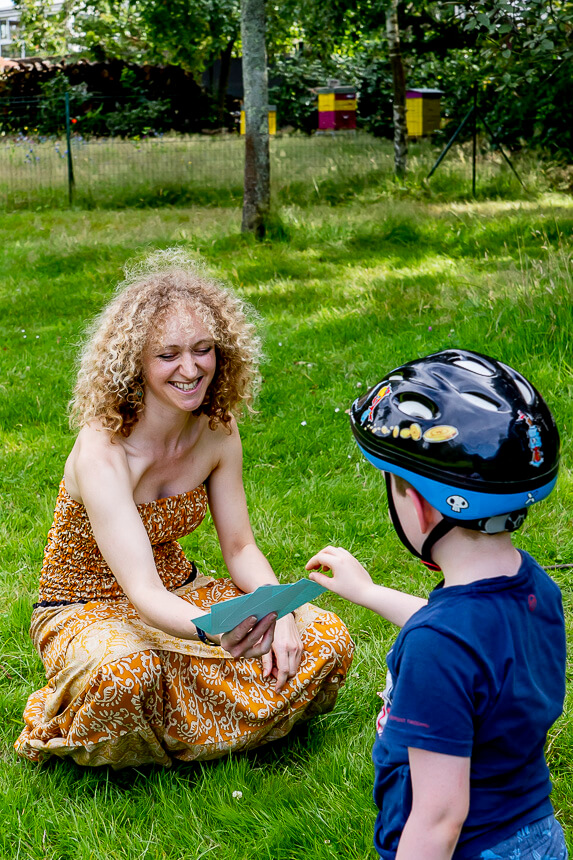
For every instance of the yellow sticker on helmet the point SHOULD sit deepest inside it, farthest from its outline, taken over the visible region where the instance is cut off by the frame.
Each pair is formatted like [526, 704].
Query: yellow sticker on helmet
[441, 433]
[415, 432]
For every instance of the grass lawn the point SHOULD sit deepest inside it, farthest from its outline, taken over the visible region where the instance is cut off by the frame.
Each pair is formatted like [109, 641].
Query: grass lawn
[343, 294]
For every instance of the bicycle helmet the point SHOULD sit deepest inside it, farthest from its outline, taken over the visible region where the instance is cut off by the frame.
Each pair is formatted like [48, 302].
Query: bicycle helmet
[469, 433]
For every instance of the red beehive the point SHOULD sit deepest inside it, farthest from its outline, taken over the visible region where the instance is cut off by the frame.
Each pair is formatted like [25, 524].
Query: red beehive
[336, 108]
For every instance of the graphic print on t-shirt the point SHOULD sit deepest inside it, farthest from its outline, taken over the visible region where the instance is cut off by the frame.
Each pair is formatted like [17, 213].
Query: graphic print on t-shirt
[386, 696]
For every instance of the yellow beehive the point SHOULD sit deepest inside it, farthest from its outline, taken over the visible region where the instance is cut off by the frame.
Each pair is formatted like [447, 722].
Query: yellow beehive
[326, 101]
[423, 111]
[272, 120]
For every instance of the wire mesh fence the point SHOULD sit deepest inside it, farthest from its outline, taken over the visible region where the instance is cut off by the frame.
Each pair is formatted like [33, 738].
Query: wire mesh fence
[195, 169]
[66, 165]
[51, 155]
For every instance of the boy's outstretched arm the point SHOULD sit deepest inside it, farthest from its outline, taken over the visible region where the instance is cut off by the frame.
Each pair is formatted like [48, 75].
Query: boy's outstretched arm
[440, 804]
[353, 582]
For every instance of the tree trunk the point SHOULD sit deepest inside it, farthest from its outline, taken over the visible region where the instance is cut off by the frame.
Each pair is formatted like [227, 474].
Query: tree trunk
[257, 191]
[399, 78]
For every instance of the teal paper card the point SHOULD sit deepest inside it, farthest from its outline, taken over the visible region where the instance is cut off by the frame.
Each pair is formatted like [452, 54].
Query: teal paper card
[281, 599]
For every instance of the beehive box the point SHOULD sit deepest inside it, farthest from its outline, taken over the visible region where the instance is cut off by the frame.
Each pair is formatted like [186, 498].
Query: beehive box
[272, 120]
[336, 108]
[423, 111]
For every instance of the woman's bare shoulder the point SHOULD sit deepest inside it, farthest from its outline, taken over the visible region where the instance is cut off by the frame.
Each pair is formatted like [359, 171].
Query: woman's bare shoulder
[95, 441]
[226, 452]
[225, 437]
[94, 449]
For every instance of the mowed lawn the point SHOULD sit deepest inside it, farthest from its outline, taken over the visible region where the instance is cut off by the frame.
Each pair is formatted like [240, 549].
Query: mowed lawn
[342, 294]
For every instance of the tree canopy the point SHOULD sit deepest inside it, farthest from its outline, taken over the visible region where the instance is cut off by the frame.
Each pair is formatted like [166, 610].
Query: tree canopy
[518, 52]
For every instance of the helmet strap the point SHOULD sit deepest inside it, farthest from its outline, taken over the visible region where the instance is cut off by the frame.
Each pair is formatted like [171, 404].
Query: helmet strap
[440, 529]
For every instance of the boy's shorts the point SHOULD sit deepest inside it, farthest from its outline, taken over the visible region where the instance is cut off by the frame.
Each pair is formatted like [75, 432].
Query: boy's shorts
[543, 839]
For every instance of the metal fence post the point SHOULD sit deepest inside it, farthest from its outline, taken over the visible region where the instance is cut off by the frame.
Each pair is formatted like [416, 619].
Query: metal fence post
[69, 144]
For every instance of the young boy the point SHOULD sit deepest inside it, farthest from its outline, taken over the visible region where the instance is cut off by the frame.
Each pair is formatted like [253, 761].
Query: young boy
[477, 674]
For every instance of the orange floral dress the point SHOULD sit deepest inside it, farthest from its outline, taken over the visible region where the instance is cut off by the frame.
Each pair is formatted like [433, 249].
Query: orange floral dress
[122, 693]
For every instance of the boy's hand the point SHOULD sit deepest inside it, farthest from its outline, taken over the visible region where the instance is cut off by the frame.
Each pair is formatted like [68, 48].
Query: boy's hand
[349, 579]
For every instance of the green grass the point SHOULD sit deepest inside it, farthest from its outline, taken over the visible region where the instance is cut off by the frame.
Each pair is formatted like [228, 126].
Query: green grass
[343, 292]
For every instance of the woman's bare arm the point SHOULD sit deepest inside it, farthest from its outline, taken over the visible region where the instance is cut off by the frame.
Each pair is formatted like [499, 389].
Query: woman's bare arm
[245, 562]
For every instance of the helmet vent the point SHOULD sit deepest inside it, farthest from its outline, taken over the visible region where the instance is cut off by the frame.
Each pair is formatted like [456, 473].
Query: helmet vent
[396, 377]
[481, 401]
[525, 390]
[474, 366]
[416, 407]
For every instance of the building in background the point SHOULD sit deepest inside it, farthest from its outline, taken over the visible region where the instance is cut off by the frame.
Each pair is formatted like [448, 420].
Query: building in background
[10, 45]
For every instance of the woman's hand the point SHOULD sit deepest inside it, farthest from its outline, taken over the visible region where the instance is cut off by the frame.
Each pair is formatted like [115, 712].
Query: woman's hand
[283, 661]
[349, 579]
[250, 638]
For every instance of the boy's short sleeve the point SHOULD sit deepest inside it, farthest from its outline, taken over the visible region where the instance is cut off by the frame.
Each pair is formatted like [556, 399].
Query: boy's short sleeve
[436, 690]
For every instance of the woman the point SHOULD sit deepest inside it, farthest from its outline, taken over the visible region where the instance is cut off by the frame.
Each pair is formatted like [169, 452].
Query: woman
[131, 679]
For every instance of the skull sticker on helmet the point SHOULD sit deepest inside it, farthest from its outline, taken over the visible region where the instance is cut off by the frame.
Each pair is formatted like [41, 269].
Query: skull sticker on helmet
[457, 503]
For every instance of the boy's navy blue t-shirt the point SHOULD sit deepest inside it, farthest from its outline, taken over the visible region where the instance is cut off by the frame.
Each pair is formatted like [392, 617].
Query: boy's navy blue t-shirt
[479, 672]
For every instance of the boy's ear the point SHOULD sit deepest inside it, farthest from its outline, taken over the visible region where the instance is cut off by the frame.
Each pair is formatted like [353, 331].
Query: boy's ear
[427, 515]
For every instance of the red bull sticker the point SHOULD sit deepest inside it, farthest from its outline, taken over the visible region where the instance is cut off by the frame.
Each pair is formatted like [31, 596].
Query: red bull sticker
[368, 414]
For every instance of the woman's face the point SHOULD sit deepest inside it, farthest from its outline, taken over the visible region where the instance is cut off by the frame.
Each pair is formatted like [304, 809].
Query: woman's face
[179, 362]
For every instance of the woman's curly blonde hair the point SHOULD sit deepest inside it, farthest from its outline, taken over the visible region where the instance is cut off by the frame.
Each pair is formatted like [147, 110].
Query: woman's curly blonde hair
[110, 387]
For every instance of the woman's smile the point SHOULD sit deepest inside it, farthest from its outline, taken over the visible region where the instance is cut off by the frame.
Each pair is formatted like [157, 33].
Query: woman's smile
[187, 386]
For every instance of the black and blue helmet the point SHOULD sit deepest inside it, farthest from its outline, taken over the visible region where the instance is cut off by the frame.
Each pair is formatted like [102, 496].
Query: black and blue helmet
[471, 434]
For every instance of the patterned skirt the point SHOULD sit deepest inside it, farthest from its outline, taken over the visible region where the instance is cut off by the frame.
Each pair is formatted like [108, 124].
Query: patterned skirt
[124, 694]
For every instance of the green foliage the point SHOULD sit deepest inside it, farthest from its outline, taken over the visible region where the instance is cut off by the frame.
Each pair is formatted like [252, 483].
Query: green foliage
[525, 99]
[138, 114]
[112, 98]
[524, 50]
[528, 36]
[51, 118]
[190, 35]
[43, 32]
[292, 81]
[517, 53]
[131, 113]
[193, 34]
[376, 92]
[108, 30]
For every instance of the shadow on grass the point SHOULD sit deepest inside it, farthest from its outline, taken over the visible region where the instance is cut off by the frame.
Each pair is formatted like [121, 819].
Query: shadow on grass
[404, 239]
